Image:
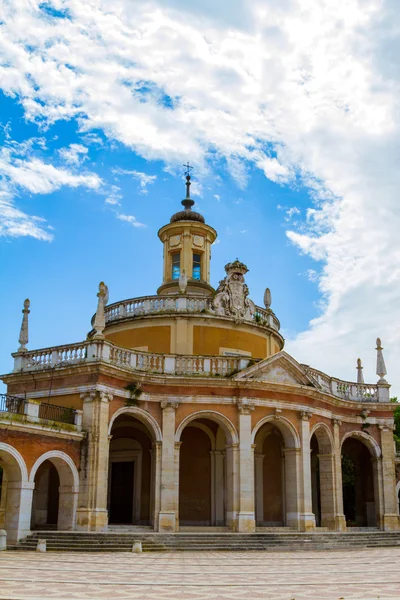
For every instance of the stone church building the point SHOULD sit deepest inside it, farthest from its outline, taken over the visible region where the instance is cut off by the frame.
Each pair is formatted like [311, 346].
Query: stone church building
[182, 409]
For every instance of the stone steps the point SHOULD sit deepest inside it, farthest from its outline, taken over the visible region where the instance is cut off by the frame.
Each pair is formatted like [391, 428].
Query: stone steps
[74, 541]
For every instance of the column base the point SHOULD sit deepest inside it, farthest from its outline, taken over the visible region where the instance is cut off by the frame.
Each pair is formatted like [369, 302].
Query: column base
[307, 521]
[390, 522]
[246, 522]
[167, 522]
[340, 523]
[95, 519]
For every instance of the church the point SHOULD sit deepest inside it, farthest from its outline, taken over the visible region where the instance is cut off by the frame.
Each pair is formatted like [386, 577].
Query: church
[182, 410]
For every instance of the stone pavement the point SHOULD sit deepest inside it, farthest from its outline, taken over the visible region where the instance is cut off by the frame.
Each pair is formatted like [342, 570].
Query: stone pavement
[325, 575]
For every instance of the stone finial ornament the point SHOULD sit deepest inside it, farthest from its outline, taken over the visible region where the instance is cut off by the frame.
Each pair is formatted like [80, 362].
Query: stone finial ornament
[267, 299]
[183, 281]
[380, 362]
[360, 376]
[100, 318]
[23, 334]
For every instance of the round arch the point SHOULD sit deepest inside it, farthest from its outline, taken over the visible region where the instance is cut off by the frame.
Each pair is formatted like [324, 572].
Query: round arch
[366, 439]
[14, 463]
[142, 416]
[324, 437]
[64, 464]
[287, 429]
[219, 418]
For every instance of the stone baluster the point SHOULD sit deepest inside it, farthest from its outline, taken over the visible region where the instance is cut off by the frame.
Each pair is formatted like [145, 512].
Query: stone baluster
[307, 517]
[246, 518]
[92, 512]
[167, 521]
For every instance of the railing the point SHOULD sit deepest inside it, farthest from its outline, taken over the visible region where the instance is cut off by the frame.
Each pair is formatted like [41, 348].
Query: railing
[12, 404]
[169, 364]
[363, 392]
[151, 305]
[61, 414]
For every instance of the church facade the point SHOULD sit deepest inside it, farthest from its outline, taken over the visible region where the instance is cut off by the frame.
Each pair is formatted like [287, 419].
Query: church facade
[182, 409]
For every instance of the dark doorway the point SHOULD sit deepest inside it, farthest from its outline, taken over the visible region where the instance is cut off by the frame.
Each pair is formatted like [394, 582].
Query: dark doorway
[121, 500]
[359, 503]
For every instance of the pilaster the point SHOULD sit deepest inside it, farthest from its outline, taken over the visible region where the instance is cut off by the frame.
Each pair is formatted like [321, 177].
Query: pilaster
[259, 486]
[340, 519]
[307, 517]
[92, 514]
[390, 517]
[246, 518]
[168, 519]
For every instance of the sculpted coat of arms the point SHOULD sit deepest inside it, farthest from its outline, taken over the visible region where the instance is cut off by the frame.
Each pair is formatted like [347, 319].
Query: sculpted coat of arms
[231, 298]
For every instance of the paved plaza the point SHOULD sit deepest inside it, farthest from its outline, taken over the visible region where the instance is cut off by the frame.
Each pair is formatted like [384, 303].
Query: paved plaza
[334, 575]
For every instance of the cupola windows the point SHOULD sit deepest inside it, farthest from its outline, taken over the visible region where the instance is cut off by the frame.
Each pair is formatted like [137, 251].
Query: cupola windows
[176, 265]
[196, 270]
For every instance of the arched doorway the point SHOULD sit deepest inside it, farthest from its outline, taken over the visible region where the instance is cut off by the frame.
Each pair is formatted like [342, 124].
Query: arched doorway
[46, 497]
[56, 486]
[275, 475]
[322, 478]
[16, 494]
[206, 471]
[130, 475]
[359, 480]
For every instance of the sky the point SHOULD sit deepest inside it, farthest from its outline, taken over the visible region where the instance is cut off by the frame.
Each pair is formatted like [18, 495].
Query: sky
[289, 111]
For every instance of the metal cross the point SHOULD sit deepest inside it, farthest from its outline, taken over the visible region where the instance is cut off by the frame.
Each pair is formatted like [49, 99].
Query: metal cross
[188, 168]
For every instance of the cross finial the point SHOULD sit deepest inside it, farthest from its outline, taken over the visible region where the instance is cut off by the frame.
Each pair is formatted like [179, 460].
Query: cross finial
[188, 168]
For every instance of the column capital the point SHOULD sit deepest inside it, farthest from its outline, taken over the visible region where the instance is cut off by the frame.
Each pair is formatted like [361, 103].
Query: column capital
[178, 445]
[245, 407]
[105, 396]
[305, 415]
[169, 404]
[336, 422]
[88, 396]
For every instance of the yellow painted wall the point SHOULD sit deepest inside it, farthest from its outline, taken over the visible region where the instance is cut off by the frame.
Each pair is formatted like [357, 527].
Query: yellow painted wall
[157, 338]
[208, 340]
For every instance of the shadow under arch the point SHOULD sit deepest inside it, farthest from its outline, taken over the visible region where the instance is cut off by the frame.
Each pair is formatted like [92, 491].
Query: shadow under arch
[222, 420]
[16, 494]
[361, 477]
[286, 427]
[323, 476]
[66, 496]
[206, 447]
[324, 436]
[141, 415]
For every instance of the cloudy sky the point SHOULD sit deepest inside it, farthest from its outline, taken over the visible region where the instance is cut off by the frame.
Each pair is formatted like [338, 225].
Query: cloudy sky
[288, 109]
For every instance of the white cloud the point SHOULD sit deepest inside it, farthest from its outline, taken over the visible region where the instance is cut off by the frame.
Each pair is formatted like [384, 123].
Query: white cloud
[74, 154]
[217, 197]
[143, 178]
[21, 171]
[130, 219]
[307, 91]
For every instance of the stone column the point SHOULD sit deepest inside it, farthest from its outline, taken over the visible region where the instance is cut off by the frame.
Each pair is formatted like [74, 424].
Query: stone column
[18, 510]
[232, 485]
[390, 517]
[246, 522]
[259, 485]
[340, 519]
[155, 489]
[168, 521]
[307, 518]
[217, 488]
[67, 507]
[292, 487]
[92, 514]
[3, 500]
[327, 490]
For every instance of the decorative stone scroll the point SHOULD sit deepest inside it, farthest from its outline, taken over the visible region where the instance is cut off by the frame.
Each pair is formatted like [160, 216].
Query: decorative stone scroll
[231, 298]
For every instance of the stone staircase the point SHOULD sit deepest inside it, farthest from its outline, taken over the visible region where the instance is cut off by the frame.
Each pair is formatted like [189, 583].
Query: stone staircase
[73, 541]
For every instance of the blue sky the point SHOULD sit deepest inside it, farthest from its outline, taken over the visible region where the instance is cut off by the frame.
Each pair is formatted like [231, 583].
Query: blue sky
[285, 112]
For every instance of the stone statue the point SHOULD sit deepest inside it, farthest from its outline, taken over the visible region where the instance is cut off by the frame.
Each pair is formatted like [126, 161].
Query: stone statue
[231, 298]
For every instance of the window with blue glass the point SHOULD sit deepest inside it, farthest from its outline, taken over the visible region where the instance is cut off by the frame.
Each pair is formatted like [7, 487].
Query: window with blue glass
[176, 265]
[196, 266]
